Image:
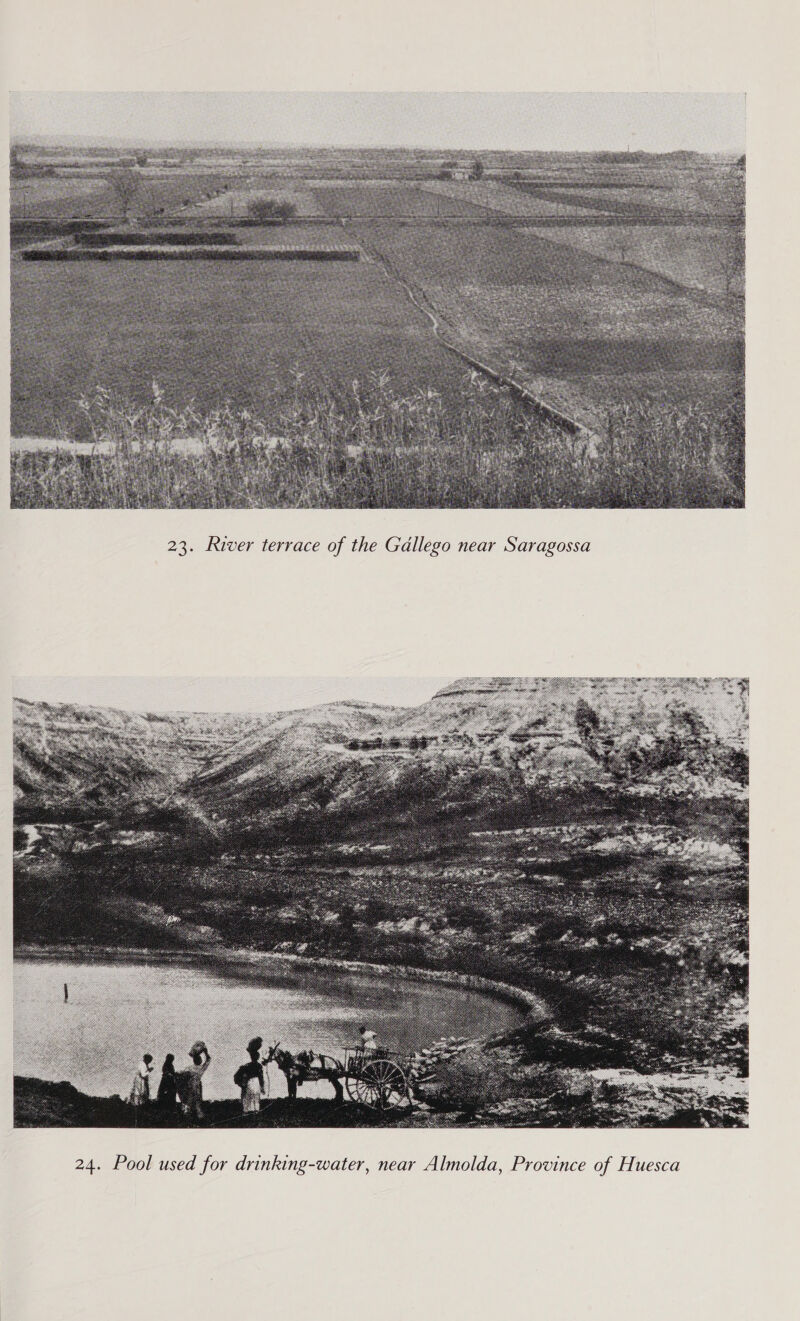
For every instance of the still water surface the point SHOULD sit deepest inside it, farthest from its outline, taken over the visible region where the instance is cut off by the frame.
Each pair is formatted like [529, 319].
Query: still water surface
[119, 1008]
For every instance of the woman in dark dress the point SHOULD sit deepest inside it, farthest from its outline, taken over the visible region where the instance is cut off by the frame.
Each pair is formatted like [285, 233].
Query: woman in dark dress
[167, 1088]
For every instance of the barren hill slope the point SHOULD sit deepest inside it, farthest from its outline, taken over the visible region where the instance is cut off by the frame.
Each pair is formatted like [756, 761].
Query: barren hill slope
[84, 758]
[478, 746]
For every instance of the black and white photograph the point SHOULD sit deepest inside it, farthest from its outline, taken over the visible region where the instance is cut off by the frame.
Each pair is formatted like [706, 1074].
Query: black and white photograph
[414, 903]
[377, 300]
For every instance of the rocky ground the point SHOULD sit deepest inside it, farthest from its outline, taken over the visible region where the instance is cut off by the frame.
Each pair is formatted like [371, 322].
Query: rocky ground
[584, 841]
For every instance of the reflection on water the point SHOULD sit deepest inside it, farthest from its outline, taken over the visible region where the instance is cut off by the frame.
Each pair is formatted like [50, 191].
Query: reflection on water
[118, 1009]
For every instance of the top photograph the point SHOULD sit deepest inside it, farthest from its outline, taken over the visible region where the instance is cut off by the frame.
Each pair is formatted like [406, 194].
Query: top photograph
[400, 301]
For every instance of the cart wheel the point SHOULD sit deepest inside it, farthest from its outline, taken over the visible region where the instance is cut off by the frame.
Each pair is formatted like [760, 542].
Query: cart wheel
[386, 1085]
[351, 1082]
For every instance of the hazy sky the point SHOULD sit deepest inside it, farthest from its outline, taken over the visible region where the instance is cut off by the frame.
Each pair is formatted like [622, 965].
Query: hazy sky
[164, 694]
[523, 121]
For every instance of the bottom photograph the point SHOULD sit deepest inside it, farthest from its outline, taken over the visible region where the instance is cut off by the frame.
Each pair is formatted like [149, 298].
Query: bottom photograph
[359, 902]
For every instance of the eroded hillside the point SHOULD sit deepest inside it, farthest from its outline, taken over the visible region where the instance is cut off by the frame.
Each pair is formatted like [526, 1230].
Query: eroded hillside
[479, 748]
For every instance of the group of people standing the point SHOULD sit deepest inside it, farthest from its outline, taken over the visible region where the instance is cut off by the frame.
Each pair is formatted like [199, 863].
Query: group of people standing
[183, 1089]
[176, 1089]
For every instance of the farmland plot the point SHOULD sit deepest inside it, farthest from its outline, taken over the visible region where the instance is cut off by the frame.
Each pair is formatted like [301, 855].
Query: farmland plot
[584, 334]
[655, 197]
[86, 198]
[236, 200]
[716, 188]
[710, 189]
[646, 182]
[211, 331]
[36, 196]
[490, 195]
[307, 235]
[392, 200]
[627, 204]
[702, 257]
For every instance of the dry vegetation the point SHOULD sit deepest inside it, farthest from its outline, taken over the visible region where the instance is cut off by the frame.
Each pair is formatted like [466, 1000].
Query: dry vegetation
[389, 452]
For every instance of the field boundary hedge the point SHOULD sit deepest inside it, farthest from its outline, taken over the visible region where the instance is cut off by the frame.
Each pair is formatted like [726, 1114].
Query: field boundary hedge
[52, 227]
[167, 252]
[102, 238]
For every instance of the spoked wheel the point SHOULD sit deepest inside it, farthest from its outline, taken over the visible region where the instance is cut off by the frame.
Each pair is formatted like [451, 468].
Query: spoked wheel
[352, 1083]
[384, 1086]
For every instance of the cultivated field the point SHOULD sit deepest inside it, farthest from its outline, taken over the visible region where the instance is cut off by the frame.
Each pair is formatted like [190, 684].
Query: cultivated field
[211, 331]
[493, 196]
[58, 196]
[596, 287]
[700, 257]
[584, 334]
[237, 198]
[703, 190]
[86, 197]
[392, 200]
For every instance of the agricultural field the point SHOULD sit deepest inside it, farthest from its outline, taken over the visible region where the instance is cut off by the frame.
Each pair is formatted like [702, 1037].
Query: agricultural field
[493, 196]
[237, 198]
[653, 193]
[634, 204]
[364, 201]
[597, 287]
[706, 185]
[584, 333]
[700, 257]
[209, 332]
[45, 196]
[87, 197]
[308, 234]
[617, 195]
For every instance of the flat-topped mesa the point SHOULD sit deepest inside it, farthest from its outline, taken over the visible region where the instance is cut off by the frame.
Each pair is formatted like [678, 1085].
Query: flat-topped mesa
[719, 706]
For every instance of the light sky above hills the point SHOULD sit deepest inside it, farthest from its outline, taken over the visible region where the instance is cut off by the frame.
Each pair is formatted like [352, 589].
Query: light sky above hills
[227, 695]
[574, 121]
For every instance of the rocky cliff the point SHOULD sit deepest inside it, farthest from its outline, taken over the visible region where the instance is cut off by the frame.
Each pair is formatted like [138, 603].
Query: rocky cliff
[479, 746]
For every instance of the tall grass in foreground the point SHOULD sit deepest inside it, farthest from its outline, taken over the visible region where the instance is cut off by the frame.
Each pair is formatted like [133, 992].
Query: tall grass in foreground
[380, 451]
